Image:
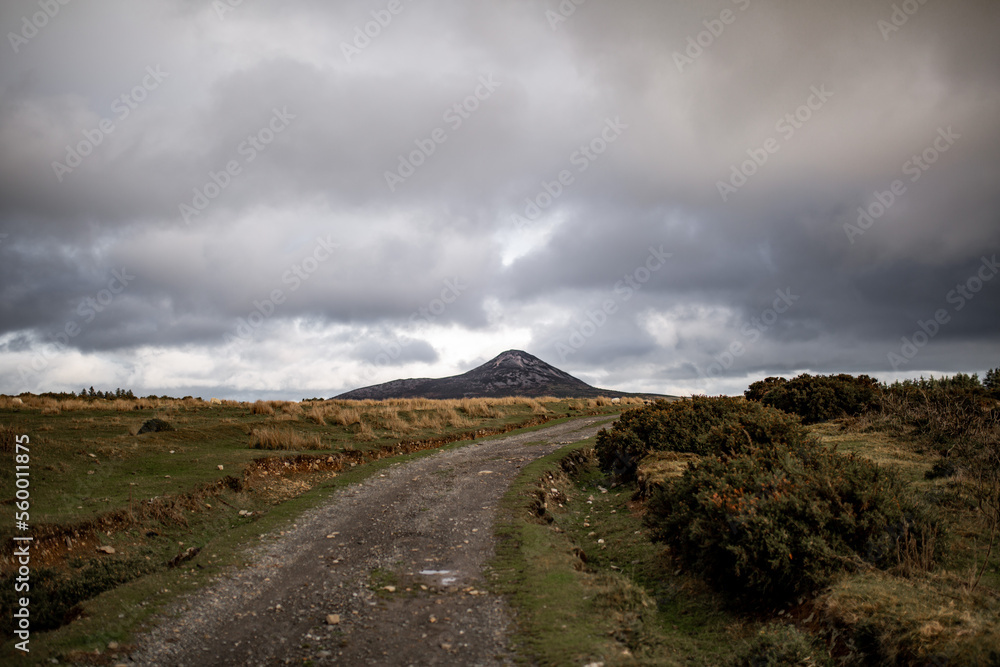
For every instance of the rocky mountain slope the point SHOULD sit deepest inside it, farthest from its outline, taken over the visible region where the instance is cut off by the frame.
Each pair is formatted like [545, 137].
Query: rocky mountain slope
[512, 373]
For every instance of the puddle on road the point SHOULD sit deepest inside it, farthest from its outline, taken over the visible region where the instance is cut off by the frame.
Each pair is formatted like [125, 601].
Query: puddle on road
[445, 580]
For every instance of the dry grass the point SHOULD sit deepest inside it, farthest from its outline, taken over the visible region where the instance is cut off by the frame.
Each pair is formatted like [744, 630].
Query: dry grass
[476, 408]
[342, 415]
[317, 415]
[883, 448]
[914, 619]
[274, 438]
[8, 438]
[288, 408]
[262, 408]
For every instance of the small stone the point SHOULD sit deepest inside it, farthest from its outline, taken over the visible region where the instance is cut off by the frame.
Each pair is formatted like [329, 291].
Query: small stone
[105, 550]
[112, 646]
[389, 589]
[90, 472]
[220, 467]
[333, 619]
[446, 647]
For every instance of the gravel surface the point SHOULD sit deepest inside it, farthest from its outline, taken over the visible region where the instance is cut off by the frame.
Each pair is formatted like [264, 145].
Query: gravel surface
[386, 572]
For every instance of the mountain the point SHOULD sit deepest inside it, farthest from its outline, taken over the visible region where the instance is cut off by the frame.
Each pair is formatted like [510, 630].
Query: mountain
[512, 373]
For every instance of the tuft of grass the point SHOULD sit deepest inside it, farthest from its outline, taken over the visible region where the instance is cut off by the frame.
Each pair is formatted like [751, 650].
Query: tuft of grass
[316, 415]
[262, 408]
[8, 438]
[281, 439]
[780, 644]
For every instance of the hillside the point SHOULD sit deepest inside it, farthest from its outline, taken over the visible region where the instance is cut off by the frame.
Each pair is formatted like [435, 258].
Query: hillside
[512, 373]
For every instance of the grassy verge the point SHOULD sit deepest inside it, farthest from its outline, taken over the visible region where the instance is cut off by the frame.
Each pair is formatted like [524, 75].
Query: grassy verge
[586, 583]
[589, 587]
[216, 514]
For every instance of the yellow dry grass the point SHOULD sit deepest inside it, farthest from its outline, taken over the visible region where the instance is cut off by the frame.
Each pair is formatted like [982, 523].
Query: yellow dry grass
[261, 408]
[916, 618]
[269, 437]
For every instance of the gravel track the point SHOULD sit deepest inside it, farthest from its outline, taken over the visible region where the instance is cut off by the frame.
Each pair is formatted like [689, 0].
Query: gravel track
[424, 528]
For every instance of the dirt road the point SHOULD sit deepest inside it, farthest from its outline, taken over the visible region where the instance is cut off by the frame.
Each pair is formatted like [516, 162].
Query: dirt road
[386, 572]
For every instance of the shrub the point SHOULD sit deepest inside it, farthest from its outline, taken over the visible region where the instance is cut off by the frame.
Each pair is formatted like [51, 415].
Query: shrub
[992, 382]
[55, 595]
[154, 426]
[759, 389]
[941, 411]
[773, 522]
[817, 398]
[686, 426]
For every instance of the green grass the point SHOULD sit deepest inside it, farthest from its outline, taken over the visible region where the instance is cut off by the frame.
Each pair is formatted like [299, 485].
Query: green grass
[63, 494]
[629, 604]
[626, 604]
[69, 484]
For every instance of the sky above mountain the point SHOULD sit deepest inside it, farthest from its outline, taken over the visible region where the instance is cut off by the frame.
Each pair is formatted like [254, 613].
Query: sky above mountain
[294, 199]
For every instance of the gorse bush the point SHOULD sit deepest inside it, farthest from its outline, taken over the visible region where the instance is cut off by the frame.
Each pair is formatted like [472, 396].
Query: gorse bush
[768, 514]
[817, 398]
[701, 425]
[56, 594]
[759, 389]
[941, 411]
[992, 382]
[768, 525]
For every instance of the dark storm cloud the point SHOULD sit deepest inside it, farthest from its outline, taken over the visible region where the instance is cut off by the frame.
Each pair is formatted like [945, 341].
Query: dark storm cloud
[474, 171]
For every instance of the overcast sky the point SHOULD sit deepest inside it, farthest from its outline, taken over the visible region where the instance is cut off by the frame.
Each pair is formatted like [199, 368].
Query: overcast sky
[296, 199]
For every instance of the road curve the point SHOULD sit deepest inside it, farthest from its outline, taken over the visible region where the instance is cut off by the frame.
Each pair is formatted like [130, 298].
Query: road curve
[424, 528]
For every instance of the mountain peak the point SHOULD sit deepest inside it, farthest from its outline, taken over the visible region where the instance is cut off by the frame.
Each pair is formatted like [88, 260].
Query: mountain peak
[510, 373]
[515, 358]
